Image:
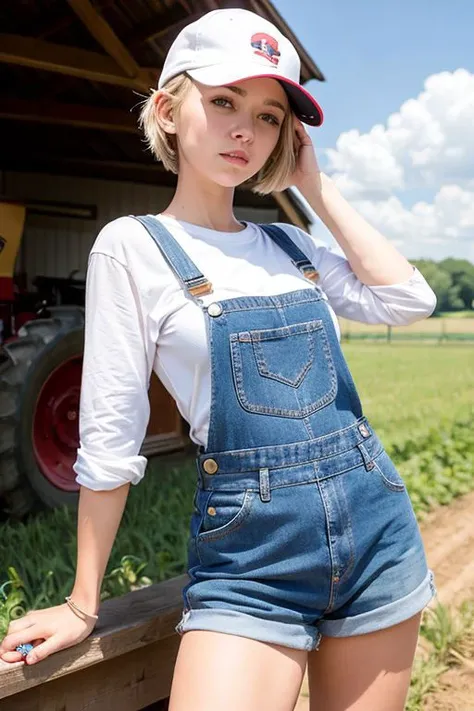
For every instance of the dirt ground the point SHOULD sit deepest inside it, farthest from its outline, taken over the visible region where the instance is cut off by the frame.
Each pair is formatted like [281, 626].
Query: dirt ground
[448, 534]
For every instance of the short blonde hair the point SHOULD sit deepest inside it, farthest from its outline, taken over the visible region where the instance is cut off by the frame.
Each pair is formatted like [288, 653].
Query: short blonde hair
[272, 176]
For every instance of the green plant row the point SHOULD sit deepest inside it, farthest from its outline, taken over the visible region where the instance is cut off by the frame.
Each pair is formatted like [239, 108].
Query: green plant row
[439, 466]
[449, 636]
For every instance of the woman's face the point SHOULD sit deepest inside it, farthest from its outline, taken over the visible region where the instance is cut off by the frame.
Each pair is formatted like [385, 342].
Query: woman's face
[227, 133]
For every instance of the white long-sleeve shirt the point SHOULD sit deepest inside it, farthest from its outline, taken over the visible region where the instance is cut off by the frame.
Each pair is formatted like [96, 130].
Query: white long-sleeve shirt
[138, 319]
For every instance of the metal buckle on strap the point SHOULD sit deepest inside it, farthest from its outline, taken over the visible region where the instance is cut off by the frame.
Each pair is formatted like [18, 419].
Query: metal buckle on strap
[199, 286]
[307, 269]
[310, 273]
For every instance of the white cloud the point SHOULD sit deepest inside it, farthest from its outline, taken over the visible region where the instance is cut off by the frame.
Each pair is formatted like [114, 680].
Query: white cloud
[428, 144]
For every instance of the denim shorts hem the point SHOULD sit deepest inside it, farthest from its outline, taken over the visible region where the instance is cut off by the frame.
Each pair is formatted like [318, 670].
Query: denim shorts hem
[382, 617]
[238, 623]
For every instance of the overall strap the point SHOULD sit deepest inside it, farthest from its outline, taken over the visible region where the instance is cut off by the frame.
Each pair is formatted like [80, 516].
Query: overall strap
[193, 281]
[299, 258]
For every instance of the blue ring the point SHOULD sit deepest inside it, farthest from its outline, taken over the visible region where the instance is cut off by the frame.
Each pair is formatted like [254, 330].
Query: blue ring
[24, 649]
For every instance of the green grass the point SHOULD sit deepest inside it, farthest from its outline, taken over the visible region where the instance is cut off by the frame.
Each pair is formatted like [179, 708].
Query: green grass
[406, 389]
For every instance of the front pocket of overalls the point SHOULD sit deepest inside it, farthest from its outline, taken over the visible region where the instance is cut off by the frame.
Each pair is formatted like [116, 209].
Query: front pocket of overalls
[221, 512]
[388, 472]
[287, 371]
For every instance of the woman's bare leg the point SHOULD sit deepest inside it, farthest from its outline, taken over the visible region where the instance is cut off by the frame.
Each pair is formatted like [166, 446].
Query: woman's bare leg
[223, 672]
[369, 672]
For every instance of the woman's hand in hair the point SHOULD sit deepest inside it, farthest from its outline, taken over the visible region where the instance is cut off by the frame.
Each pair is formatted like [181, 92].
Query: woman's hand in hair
[307, 173]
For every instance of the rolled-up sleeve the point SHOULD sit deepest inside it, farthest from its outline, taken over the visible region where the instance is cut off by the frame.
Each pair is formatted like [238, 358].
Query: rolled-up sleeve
[118, 358]
[395, 305]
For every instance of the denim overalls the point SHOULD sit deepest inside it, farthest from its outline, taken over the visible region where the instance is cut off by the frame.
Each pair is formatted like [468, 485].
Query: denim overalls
[302, 525]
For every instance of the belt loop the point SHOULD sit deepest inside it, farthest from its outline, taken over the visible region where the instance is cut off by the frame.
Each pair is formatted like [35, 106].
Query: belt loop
[368, 463]
[264, 481]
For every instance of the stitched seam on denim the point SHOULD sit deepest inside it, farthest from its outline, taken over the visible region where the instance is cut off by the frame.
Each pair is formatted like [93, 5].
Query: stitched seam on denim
[236, 454]
[349, 532]
[390, 484]
[289, 482]
[227, 309]
[267, 373]
[185, 591]
[336, 433]
[212, 411]
[328, 532]
[280, 412]
[196, 539]
[232, 525]
[289, 329]
[297, 463]
[308, 427]
[287, 463]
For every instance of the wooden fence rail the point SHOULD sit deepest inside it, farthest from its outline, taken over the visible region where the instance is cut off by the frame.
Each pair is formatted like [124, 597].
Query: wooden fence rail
[126, 664]
[436, 330]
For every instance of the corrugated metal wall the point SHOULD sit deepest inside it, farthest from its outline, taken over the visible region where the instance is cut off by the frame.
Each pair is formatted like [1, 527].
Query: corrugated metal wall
[55, 246]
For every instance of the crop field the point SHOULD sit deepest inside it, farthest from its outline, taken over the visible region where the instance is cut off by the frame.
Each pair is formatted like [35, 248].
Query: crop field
[407, 389]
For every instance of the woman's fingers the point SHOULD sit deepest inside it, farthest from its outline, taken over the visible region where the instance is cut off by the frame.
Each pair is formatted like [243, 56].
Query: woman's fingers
[14, 627]
[16, 656]
[11, 657]
[44, 649]
[27, 635]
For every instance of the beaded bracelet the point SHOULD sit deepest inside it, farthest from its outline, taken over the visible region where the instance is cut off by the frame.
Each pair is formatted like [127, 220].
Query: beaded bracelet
[73, 606]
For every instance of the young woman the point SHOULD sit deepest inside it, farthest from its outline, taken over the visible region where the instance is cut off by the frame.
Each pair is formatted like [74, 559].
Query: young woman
[304, 548]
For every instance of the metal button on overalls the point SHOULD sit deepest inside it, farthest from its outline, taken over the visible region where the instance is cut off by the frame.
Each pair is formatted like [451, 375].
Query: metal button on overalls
[210, 466]
[214, 309]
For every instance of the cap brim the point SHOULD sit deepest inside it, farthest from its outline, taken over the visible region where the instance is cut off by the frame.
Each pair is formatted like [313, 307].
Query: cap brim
[302, 103]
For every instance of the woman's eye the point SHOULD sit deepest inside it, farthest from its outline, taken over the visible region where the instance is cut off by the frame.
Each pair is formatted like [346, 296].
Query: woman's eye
[271, 119]
[221, 101]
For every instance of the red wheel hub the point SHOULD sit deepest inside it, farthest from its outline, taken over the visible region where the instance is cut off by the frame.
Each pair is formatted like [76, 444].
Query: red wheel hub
[56, 425]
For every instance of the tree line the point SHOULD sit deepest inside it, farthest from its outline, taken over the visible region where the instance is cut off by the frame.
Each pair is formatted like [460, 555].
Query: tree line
[452, 280]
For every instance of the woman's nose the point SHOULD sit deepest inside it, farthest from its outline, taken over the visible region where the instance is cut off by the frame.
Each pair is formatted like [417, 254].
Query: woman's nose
[244, 131]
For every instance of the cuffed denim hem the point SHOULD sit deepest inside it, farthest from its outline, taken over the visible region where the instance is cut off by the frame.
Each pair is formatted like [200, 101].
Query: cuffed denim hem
[243, 625]
[385, 616]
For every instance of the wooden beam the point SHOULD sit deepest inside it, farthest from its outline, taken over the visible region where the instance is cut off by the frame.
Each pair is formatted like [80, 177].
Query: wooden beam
[157, 28]
[77, 115]
[96, 169]
[105, 36]
[81, 63]
[127, 624]
[284, 201]
[137, 680]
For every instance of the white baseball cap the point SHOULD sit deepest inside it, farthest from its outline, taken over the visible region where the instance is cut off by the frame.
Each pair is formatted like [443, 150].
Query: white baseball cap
[229, 45]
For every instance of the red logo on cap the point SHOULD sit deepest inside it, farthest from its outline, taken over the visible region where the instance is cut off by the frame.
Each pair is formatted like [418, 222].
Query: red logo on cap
[266, 46]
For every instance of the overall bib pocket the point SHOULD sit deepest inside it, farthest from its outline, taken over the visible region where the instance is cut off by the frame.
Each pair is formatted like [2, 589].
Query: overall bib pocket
[220, 512]
[388, 472]
[287, 371]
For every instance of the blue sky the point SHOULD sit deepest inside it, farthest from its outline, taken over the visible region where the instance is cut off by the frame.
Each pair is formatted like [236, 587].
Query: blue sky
[375, 56]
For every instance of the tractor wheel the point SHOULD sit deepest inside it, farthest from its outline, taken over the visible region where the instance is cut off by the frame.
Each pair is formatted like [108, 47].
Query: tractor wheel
[40, 379]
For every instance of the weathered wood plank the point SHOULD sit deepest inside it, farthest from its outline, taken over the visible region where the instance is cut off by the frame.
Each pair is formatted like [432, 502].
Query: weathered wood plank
[127, 623]
[127, 683]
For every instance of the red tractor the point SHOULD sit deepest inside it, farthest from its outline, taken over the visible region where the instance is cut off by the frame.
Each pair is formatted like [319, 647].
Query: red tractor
[40, 377]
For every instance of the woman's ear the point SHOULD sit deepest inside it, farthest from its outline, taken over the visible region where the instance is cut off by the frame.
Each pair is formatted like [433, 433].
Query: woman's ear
[164, 111]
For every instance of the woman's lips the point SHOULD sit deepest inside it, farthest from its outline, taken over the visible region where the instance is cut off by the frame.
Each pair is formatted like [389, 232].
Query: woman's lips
[235, 158]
